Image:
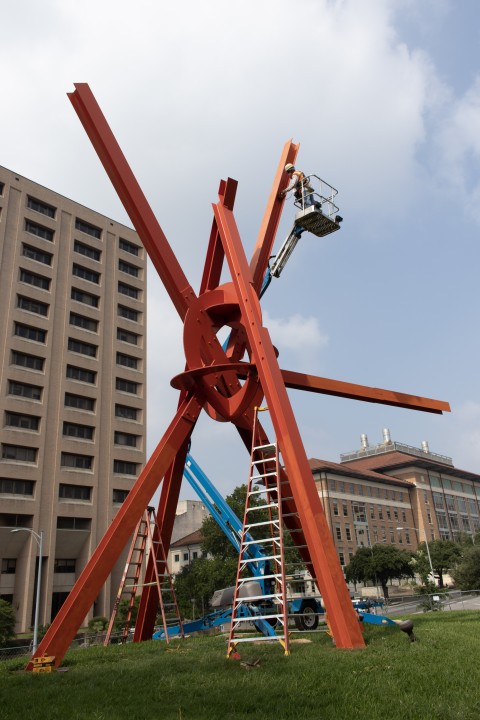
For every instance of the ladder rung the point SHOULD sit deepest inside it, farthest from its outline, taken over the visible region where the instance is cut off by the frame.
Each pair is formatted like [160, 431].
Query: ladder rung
[272, 596]
[255, 542]
[267, 557]
[260, 524]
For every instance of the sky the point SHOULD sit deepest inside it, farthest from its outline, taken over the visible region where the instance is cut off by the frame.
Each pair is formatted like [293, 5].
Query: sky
[383, 97]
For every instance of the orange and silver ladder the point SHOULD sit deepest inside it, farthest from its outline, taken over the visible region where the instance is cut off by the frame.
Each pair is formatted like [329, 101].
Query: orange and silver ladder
[147, 537]
[262, 520]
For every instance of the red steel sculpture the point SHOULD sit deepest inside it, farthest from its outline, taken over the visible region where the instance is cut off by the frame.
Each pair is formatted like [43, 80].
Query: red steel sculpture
[227, 384]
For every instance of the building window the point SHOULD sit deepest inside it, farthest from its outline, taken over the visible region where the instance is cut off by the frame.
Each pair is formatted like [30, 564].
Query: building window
[83, 322]
[195, 554]
[79, 462]
[359, 512]
[348, 533]
[75, 430]
[429, 517]
[127, 360]
[32, 392]
[35, 254]
[380, 513]
[34, 306]
[335, 507]
[86, 250]
[64, 566]
[39, 230]
[20, 453]
[123, 411]
[128, 290]
[86, 274]
[450, 500]
[30, 333]
[41, 207]
[389, 514]
[25, 422]
[395, 515]
[16, 487]
[33, 279]
[33, 362]
[73, 523]
[80, 402]
[473, 507]
[404, 516]
[128, 247]
[185, 556]
[176, 558]
[438, 501]
[85, 297]
[87, 228]
[119, 496]
[341, 557]
[80, 374]
[127, 337]
[82, 348]
[462, 505]
[9, 566]
[127, 268]
[2, 185]
[338, 532]
[128, 313]
[74, 492]
[344, 508]
[126, 386]
[372, 512]
[331, 484]
[122, 438]
[465, 525]
[122, 467]
[407, 538]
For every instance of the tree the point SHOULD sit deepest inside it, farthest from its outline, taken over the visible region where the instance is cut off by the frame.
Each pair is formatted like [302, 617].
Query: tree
[214, 540]
[7, 622]
[466, 573]
[444, 555]
[196, 583]
[379, 564]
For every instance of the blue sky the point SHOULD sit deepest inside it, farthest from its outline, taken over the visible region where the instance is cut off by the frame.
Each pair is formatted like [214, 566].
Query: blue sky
[384, 98]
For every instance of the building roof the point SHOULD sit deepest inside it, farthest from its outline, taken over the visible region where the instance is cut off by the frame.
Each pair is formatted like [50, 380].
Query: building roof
[351, 470]
[194, 538]
[398, 460]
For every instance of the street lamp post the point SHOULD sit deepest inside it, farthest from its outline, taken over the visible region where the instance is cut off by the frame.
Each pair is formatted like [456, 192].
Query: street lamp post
[39, 540]
[426, 544]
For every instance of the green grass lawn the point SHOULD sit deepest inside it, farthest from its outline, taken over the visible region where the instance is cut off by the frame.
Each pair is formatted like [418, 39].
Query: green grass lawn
[436, 677]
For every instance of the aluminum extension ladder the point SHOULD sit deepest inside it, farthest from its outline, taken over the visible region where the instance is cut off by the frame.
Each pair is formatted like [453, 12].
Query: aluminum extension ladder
[262, 518]
[147, 537]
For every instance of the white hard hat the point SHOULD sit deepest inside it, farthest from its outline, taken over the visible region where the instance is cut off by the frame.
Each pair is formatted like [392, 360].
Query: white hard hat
[289, 167]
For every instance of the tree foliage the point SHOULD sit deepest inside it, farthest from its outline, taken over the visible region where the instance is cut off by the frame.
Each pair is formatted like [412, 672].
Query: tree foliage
[444, 555]
[7, 622]
[466, 573]
[196, 583]
[379, 564]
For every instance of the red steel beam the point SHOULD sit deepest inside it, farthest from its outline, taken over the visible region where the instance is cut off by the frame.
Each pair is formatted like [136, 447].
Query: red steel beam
[271, 218]
[339, 388]
[342, 617]
[82, 596]
[132, 197]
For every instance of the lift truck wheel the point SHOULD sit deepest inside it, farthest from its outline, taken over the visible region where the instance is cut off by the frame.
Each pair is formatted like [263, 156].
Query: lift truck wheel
[307, 618]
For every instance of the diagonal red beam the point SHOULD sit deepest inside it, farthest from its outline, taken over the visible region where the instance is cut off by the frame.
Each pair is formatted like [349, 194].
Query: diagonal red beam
[271, 218]
[132, 197]
[215, 255]
[339, 388]
[342, 617]
[82, 596]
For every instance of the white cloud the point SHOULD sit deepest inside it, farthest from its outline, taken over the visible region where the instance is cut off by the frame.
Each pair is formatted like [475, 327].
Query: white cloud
[297, 333]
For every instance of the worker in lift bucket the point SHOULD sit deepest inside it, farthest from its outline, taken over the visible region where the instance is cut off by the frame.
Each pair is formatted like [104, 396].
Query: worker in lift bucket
[298, 183]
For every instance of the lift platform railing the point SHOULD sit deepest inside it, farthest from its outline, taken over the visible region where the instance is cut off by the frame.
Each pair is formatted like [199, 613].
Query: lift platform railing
[321, 194]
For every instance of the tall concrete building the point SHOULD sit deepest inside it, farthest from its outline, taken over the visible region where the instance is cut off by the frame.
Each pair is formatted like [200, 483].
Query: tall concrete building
[72, 389]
